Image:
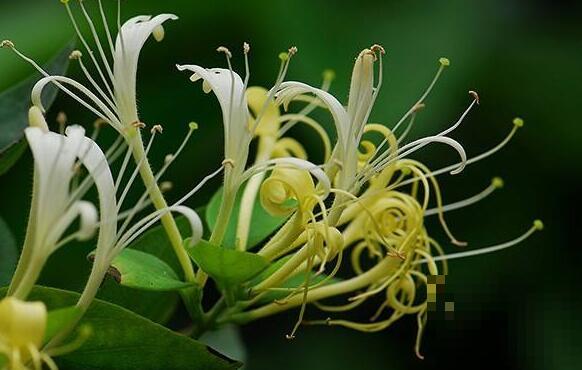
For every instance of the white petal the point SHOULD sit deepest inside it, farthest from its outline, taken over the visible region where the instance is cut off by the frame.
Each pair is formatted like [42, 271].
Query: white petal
[88, 219]
[134, 34]
[230, 92]
[220, 80]
[291, 89]
[54, 158]
[195, 222]
[95, 162]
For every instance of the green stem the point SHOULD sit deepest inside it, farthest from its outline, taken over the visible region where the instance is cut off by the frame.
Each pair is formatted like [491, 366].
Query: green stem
[159, 203]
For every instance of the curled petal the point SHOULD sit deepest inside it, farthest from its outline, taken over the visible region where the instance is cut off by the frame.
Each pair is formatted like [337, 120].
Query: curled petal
[291, 89]
[88, 218]
[286, 190]
[133, 35]
[194, 220]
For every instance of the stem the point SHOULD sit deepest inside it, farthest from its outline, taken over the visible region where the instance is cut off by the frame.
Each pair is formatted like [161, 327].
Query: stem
[159, 202]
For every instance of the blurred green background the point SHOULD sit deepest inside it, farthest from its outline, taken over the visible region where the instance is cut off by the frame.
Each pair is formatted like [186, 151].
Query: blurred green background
[515, 309]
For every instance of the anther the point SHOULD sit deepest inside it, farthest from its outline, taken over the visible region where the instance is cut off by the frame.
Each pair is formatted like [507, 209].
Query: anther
[497, 182]
[283, 56]
[228, 162]
[7, 44]
[329, 75]
[64, 1]
[138, 124]
[378, 49]
[474, 95]
[538, 225]
[518, 122]
[445, 62]
[168, 158]
[62, 118]
[222, 49]
[166, 186]
[99, 122]
[418, 107]
[157, 128]
[193, 126]
[246, 47]
[75, 55]
[158, 33]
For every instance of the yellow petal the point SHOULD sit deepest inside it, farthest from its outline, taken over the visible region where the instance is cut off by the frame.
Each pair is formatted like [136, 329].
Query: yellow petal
[22, 323]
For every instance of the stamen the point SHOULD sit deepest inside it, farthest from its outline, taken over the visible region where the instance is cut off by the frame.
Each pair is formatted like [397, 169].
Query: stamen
[106, 27]
[77, 55]
[537, 226]
[285, 60]
[303, 301]
[517, 123]
[97, 42]
[228, 54]
[105, 114]
[496, 183]
[168, 160]
[86, 45]
[444, 62]
[124, 164]
[157, 128]
[246, 50]
[136, 171]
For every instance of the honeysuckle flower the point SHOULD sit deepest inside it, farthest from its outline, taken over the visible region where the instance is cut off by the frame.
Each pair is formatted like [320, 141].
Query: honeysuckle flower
[53, 207]
[381, 200]
[229, 89]
[22, 329]
[111, 95]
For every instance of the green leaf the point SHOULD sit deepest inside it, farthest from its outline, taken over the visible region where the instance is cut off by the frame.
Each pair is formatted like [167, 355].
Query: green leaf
[59, 319]
[8, 254]
[140, 270]
[227, 266]
[122, 340]
[227, 340]
[156, 306]
[14, 105]
[263, 224]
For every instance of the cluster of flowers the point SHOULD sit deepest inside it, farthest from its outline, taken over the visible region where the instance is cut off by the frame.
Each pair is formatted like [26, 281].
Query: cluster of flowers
[361, 211]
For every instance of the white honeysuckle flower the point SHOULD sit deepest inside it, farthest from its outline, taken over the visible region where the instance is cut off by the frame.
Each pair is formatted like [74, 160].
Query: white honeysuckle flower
[53, 208]
[134, 34]
[229, 89]
[112, 94]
